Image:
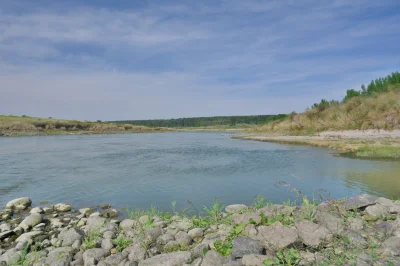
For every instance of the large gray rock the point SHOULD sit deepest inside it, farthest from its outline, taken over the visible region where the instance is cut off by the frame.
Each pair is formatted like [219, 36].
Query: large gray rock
[361, 201]
[106, 244]
[136, 251]
[200, 250]
[20, 203]
[332, 223]
[31, 221]
[183, 238]
[169, 259]
[312, 234]
[95, 223]
[62, 207]
[377, 210]
[127, 224]
[245, 245]
[63, 254]
[70, 236]
[274, 210]
[391, 246]
[165, 238]
[11, 256]
[235, 208]
[96, 253]
[28, 236]
[277, 236]
[151, 235]
[196, 234]
[394, 207]
[212, 258]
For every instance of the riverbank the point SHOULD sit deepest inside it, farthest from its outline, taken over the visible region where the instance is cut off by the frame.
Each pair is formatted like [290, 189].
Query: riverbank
[33, 126]
[364, 230]
[368, 144]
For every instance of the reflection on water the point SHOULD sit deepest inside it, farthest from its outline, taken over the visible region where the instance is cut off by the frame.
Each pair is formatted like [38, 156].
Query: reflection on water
[157, 168]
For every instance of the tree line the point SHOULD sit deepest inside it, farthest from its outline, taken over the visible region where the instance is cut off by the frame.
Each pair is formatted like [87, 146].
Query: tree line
[378, 85]
[206, 121]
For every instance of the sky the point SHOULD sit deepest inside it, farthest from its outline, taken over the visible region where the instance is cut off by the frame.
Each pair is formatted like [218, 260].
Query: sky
[120, 60]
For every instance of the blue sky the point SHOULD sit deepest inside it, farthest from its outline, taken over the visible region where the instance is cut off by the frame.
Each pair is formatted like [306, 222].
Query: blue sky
[148, 59]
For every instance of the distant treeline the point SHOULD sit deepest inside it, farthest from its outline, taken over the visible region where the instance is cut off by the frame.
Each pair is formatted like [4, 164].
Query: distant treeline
[206, 121]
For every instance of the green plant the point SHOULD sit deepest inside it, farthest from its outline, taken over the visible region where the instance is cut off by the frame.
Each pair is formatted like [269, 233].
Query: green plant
[284, 219]
[259, 202]
[290, 257]
[374, 245]
[309, 209]
[91, 240]
[121, 243]
[223, 247]
[214, 213]
[176, 247]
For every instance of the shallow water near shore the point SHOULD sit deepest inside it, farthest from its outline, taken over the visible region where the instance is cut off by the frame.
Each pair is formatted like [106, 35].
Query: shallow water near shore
[140, 170]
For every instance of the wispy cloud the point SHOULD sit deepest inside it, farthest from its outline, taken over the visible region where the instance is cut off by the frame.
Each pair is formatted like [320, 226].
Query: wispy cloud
[92, 60]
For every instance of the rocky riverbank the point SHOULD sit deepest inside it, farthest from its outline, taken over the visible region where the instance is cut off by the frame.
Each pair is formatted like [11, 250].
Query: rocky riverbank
[364, 230]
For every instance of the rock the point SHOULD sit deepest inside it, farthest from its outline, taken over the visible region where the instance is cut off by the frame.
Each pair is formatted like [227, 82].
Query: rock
[332, 223]
[116, 259]
[110, 213]
[127, 224]
[358, 202]
[233, 263]
[245, 218]
[391, 246]
[11, 256]
[86, 211]
[48, 210]
[106, 244]
[213, 258]
[5, 227]
[144, 219]
[109, 235]
[355, 239]
[151, 235]
[96, 253]
[183, 238]
[61, 207]
[182, 225]
[36, 210]
[355, 224]
[39, 227]
[136, 252]
[250, 230]
[245, 245]
[165, 238]
[235, 208]
[254, 260]
[196, 234]
[200, 250]
[95, 223]
[70, 236]
[277, 235]
[274, 210]
[20, 203]
[63, 254]
[312, 234]
[28, 236]
[394, 208]
[6, 234]
[18, 231]
[196, 262]
[169, 259]
[377, 211]
[31, 221]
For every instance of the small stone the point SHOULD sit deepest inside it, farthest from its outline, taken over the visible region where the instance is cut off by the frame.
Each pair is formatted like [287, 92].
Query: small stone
[70, 236]
[165, 238]
[200, 250]
[86, 211]
[31, 221]
[36, 210]
[250, 230]
[106, 244]
[277, 235]
[109, 235]
[61, 207]
[183, 238]
[151, 235]
[254, 260]
[96, 253]
[312, 234]
[127, 224]
[144, 219]
[212, 258]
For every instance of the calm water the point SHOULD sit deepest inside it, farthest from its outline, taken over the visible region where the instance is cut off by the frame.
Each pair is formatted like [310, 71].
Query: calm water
[155, 169]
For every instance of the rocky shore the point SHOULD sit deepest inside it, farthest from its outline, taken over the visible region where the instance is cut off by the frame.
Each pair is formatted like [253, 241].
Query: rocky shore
[364, 230]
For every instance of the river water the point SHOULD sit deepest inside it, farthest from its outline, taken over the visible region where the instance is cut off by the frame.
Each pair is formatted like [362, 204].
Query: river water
[140, 170]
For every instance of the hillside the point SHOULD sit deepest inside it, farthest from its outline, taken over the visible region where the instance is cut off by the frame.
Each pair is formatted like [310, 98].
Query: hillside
[214, 121]
[26, 126]
[374, 107]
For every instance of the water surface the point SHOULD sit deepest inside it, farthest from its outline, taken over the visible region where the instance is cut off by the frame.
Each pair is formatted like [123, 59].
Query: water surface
[157, 168]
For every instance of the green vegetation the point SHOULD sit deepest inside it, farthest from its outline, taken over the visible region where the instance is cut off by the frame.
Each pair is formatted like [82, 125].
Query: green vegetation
[224, 247]
[287, 257]
[214, 212]
[91, 240]
[121, 243]
[206, 121]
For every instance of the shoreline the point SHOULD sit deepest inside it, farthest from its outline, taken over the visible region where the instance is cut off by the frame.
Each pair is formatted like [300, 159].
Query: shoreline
[343, 231]
[371, 144]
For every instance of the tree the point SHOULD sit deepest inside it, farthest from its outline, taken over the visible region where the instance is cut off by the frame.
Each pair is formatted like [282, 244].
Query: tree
[351, 93]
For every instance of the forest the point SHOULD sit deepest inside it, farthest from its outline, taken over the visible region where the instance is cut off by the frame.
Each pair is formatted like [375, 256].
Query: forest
[206, 121]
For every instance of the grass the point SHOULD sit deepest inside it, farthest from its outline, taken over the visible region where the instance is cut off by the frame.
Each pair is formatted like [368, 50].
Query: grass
[122, 243]
[284, 257]
[91, 240]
